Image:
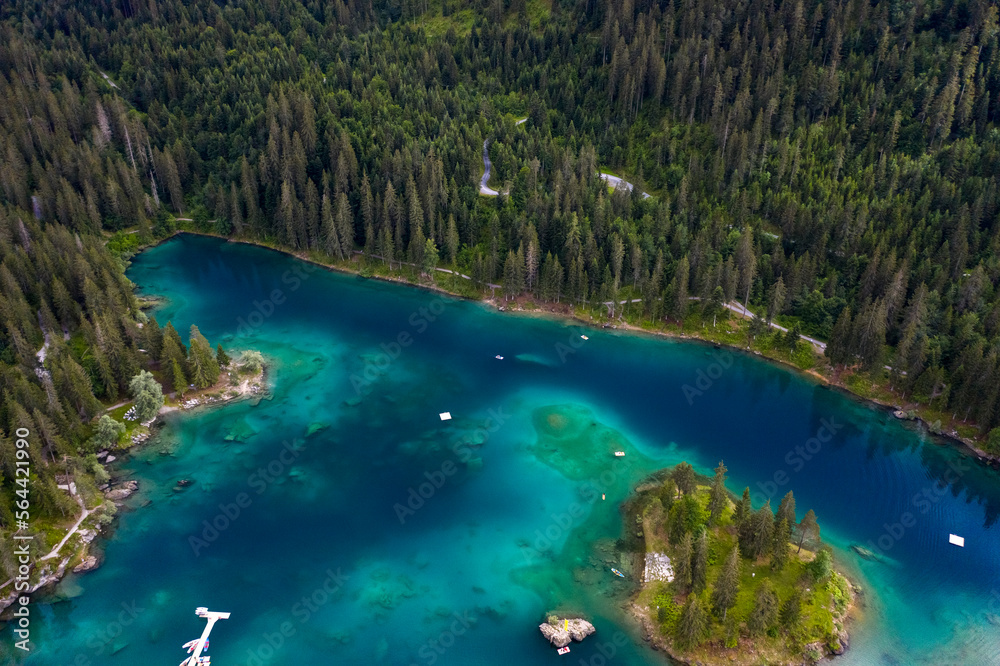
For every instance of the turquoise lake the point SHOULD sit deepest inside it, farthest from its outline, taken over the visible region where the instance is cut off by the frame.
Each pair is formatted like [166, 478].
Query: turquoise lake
[377, 533]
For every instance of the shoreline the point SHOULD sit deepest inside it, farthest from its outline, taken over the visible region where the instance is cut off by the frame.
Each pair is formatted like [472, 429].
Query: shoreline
[119, 489]
[966, 445]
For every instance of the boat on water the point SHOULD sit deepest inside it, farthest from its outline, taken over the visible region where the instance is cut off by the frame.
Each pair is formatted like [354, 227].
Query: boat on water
[563, 650]
[617, 573]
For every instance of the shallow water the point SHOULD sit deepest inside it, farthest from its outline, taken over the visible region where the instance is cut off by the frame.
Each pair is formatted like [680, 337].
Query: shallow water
[373, 532]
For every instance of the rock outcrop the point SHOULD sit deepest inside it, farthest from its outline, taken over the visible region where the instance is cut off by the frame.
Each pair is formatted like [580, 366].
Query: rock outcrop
[559, 631]
[121, 492]
[88, 564]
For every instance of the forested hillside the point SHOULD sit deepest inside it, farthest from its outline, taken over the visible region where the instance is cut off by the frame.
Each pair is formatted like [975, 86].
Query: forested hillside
[835, 164]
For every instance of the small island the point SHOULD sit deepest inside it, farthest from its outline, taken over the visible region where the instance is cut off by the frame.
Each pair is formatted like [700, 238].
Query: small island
[725, 583]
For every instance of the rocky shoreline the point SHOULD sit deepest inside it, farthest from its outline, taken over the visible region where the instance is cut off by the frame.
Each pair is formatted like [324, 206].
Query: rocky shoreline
[99, 519]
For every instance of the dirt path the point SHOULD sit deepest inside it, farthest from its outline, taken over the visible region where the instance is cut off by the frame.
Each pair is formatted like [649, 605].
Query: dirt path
[83, 516]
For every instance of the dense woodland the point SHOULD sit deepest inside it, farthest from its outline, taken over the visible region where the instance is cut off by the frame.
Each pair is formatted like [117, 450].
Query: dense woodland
[834, 164]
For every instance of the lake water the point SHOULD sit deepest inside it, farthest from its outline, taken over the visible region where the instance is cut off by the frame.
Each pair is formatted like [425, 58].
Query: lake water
[371, 531]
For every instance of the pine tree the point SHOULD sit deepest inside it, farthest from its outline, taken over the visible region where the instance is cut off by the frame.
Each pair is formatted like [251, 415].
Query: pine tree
[786, 510]
[808, 526]
[780, 547]
[727, 585]
[330, 234]
[513, 275]
[699, 564]
[431, 258]
[221, 357]
[345, 226]
[693, 623]
[791, 610]
[743, 509]
[203, 369]
[682, 563]
[765, 611]
[679, 307]
[178, 378]
[683, 475]
[451, 240]
[718, 500]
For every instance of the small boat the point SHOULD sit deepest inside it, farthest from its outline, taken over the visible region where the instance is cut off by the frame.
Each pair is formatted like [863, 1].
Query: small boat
[563, 650]
[619, 454]
[498, 357]
[617, 573]
[584, 337]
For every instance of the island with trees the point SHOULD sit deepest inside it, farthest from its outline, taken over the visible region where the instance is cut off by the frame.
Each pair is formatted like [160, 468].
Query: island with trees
[724, 582]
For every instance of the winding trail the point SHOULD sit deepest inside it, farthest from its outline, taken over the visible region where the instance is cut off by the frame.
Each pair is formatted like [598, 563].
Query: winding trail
[483, 187]
[83, 516]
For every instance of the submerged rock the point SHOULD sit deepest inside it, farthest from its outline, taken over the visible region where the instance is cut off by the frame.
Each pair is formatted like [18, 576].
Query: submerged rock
[122, 491]
[866, 553]
[559, 631]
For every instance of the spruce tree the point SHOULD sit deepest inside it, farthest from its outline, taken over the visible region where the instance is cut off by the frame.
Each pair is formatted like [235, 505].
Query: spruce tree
[683, 475]
[808, 526]
[682, 563]
[699, 563]
[780, 547]
[786, 510]
[718, 499]
[693, 623]
[765, 611]
[727, 585]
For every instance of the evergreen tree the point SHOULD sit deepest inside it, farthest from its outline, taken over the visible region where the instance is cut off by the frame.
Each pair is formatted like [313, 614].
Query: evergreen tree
[699, 564]
[430, 258]
[786, 510]
[766, 608]
[718, 500]
[808, 526]
[743, 510]
[683, 475]
[682, 563]
[791, 610]
[203, 369]
[780, 548]
[693, 624]
[221, 357]
[727, 585]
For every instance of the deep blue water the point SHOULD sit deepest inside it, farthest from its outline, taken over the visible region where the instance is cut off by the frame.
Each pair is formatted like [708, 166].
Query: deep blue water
[323, 550]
